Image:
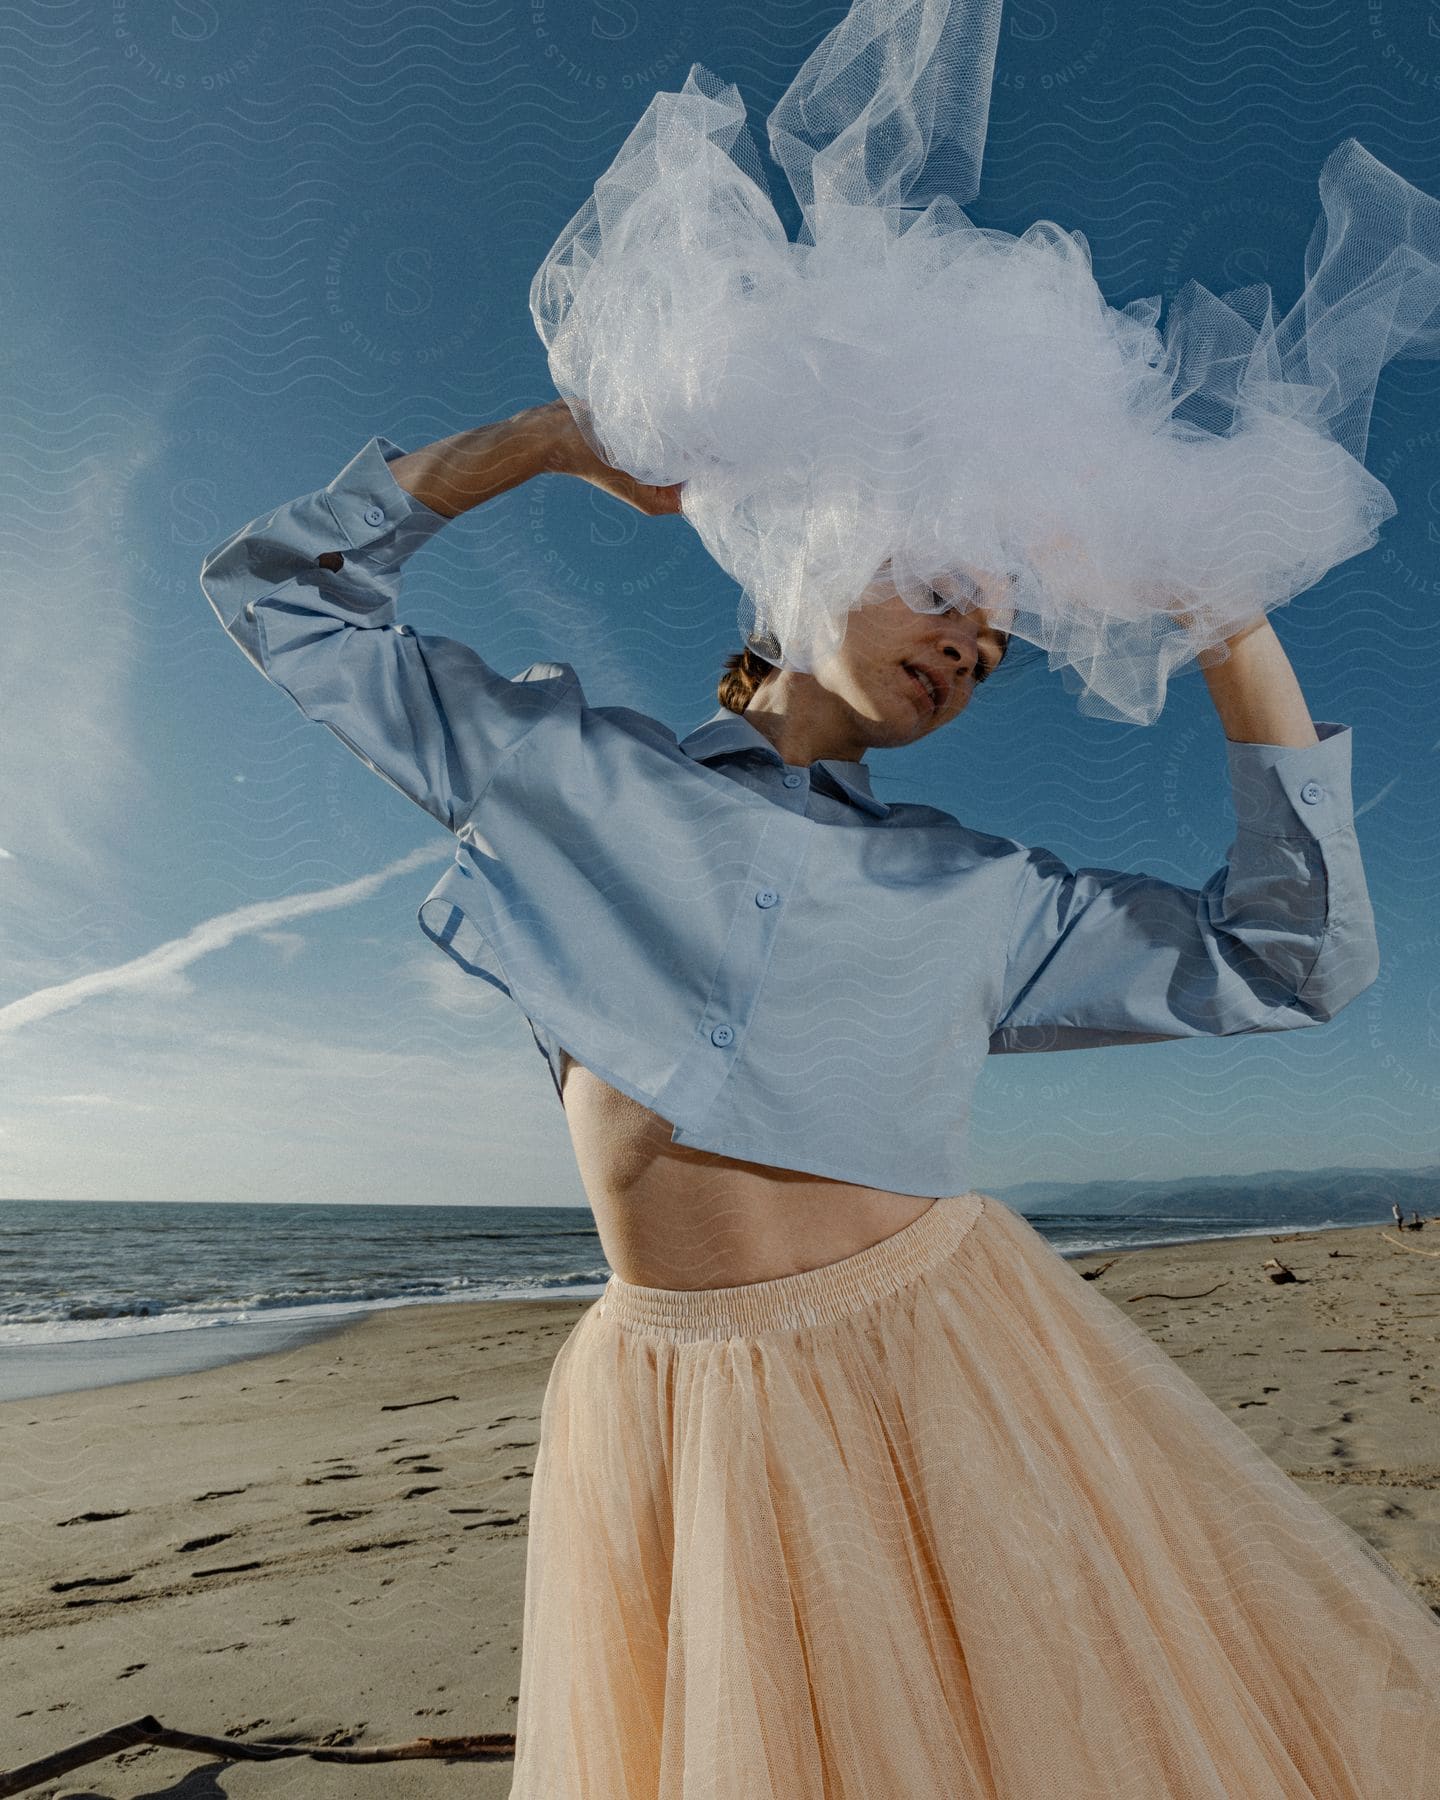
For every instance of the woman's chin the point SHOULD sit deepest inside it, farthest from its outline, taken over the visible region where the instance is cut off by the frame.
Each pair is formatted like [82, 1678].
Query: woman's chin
[899, 731]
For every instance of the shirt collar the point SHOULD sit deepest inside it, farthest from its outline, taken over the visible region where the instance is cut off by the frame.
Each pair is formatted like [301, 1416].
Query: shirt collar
[726, 731]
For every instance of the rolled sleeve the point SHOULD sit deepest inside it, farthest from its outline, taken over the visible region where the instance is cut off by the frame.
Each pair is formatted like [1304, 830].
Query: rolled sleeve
[1280, 937]
[426, 713]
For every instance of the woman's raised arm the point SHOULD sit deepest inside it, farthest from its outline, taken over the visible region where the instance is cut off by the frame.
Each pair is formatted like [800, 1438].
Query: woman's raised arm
[309, 591]
[456, 473]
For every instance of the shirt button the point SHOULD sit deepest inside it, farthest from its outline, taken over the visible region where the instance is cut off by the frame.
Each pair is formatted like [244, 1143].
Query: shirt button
[793, 780]
[1311, 792]
[404, 630]
[766, 897]
[374, 515]
[721, 1035]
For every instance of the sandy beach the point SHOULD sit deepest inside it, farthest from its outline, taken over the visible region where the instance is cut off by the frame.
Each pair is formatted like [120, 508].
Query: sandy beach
[327, 1543]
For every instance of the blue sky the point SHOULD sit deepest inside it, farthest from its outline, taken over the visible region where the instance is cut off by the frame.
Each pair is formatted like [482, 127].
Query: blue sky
[240, 241]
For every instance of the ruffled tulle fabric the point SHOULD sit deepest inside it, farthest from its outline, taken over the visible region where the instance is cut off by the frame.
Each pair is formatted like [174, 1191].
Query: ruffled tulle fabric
[901, 401]
[939, 1521]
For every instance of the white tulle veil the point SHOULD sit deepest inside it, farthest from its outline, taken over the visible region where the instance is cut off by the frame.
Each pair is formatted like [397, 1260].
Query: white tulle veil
[901, 390]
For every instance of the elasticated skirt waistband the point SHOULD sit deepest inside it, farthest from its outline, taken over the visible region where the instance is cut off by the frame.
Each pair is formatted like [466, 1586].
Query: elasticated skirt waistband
[811, 1297]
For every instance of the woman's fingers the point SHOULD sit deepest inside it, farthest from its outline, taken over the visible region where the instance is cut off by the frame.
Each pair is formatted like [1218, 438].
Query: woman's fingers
[578, 457]
[647, 497]
[667, 499]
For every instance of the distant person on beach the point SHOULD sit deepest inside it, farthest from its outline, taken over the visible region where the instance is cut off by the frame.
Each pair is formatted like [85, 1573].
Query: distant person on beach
[1399, 1216]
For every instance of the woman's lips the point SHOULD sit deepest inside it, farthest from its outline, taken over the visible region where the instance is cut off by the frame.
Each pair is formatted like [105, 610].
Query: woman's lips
[919, 687]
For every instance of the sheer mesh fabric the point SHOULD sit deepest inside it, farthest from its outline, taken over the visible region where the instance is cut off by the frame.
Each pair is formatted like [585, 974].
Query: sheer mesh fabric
[901, 401]
[939, 1521]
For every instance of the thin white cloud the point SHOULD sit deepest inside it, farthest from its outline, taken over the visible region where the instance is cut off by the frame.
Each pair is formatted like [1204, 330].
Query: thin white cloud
[92, 1100]
[448, 989]
[66, 681]
[288, 943]
[157, 969]
[79, 619]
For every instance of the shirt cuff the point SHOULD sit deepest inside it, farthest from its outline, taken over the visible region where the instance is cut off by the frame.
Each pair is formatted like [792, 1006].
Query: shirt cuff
[370, 506]
[1293, 790]
[375, 527]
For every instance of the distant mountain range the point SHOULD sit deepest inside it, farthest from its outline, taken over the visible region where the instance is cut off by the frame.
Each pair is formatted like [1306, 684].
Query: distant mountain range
[1359, 1196]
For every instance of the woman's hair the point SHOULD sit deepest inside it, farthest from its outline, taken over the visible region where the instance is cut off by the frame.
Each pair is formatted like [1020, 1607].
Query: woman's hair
[744, 671]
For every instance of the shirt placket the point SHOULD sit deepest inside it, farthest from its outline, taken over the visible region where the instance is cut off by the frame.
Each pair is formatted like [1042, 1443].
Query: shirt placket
[720, 1032]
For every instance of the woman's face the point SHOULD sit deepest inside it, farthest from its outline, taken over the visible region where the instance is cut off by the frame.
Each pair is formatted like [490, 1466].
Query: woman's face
[886, 640]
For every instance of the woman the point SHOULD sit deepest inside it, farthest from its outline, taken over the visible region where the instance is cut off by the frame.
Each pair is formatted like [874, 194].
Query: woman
[849, 1486]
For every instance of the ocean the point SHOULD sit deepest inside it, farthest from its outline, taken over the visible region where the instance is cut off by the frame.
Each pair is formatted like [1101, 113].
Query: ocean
[96, 1292]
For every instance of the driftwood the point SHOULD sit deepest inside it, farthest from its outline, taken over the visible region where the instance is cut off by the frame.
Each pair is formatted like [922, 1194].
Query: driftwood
[1277, 1271]
[1200, 1296]
[1095, 1274]
[1414, 1249]
[487, 1746]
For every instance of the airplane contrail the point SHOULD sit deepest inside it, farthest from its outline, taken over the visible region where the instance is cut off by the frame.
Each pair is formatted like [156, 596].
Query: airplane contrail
[211, 934]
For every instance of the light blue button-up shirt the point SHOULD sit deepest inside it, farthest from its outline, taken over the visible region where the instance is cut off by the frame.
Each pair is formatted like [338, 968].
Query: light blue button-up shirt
[788, 969]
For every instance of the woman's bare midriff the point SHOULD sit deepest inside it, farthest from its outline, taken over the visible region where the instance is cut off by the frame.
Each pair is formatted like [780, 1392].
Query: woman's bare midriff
[673, 1217]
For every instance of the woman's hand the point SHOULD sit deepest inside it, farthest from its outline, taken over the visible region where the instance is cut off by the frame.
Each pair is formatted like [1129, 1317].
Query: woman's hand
[571, 454]
[1186, 620]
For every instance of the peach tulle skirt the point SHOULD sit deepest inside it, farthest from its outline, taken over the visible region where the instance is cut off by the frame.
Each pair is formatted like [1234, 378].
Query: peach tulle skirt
[938, 1522]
